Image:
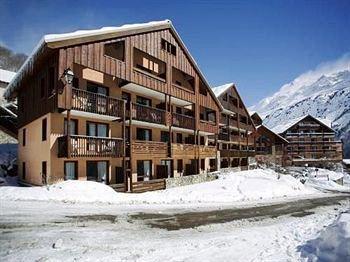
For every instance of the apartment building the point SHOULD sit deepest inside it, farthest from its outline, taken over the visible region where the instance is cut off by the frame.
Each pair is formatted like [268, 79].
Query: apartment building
[235, 139]
[269, 146]
[311, 142]
[126, 106]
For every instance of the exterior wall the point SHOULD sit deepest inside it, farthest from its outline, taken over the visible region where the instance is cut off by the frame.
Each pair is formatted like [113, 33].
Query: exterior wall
[35, 151]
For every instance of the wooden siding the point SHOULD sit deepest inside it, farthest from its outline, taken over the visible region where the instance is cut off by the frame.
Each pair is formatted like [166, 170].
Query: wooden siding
[91, 55]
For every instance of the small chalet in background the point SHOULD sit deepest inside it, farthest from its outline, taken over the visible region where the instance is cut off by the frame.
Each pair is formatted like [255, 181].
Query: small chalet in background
[235, 144]
[311, 142]
[269, 146]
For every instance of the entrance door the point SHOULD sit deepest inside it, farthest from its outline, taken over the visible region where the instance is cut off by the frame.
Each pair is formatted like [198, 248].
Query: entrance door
[97, 171]
[169, 165]
[144, 170]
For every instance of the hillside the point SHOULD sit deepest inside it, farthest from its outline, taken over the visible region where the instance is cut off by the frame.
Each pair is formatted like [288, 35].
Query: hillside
[323, 92]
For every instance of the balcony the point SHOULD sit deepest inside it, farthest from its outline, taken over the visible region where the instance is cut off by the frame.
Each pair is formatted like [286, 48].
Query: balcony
[88, 146]
[207, 151]
[183, 121]
[148, 114]
[89, 102]
[149, 148]
[180, 150]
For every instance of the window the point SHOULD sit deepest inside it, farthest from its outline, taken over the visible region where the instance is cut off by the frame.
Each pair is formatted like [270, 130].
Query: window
[97, 171]
[207, 114]
[42, 87]
[44, 129]
[143, 101]
[97, 89]
[224, 97]
[116, 50]
[44, 172]
[143, 134]
[170, 48]
[202, 88]
[23, 170]
[164, 136]
[203, 164]
[182, 79]
[144, 170]
[24, 136]
[73, 127]
[70, 170]
[180, 166]
[51, 87]
[179, 138]
[97, 129]
[149, 64]
[76, 82]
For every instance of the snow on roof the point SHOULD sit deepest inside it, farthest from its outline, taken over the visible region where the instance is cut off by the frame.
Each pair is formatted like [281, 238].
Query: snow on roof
[285, 140]
[218, 90]
[6, 76]
[286, 125]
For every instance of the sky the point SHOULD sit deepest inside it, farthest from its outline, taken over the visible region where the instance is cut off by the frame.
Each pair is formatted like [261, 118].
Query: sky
[258, 45]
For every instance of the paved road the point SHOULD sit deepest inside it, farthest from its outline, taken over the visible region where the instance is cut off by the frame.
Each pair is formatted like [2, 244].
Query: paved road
[178, 221]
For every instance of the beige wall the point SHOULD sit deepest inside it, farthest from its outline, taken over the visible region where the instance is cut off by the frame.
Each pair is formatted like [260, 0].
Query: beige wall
[35, 151]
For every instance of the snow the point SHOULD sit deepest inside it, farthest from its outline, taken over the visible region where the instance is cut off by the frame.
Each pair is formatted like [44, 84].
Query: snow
[252, 185]
[218, 90]
[6, 76]
[346, 161]
[279, 129]
[333, 243]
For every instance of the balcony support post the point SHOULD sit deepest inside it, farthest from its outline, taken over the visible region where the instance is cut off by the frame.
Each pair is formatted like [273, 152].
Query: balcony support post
[130, 146]
[124, 148]
[68, 134]
[170, 126]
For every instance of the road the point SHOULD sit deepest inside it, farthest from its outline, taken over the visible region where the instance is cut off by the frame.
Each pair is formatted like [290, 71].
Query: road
[54, 231]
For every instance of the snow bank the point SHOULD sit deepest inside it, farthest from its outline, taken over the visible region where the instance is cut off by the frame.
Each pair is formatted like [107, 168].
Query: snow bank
[333, 244]
[67, 191]
[326, 185]
[229, 188]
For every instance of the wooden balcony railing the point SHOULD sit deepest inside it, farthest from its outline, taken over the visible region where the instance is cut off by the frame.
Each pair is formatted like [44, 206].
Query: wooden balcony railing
[150, 148]
[183, 149]
[183, 121]
[88, 146]
[148, 114]
[86, 101]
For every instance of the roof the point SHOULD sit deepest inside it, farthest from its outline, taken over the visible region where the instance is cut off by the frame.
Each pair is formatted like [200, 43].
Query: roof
[282, 138]
[82, 36]
[219, 90]
[6, 76]
[281, 128]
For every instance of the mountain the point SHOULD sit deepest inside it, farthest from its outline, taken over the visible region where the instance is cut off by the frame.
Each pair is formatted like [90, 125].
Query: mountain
[9, 60]
[323, 92]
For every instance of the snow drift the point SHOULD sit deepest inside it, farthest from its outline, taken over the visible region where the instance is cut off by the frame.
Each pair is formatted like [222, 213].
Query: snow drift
[253, 185]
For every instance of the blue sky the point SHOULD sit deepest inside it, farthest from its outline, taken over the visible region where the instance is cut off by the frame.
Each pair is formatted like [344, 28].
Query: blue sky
[259, 45]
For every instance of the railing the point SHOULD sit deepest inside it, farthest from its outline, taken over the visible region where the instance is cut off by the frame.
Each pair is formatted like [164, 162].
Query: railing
[89, 146]
[148, 114]
[150, 148]
[183, 121]
[223, 137]
[183, 149]
[86, 101]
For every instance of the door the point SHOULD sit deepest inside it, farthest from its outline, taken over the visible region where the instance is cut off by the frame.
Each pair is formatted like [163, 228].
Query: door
[169, 165]
[97, 171]
[144, 170]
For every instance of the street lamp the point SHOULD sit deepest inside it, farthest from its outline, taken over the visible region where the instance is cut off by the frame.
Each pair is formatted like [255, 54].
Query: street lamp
[68, 75]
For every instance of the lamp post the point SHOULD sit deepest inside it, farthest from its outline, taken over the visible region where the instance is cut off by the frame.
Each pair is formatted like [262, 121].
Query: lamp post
[68, 75]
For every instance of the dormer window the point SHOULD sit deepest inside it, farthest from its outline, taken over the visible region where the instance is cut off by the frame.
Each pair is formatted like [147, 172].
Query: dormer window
[170, 48]
[149, 64]
[116, 50]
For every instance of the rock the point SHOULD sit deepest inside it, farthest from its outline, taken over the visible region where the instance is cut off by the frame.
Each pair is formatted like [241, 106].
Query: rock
[58, 243]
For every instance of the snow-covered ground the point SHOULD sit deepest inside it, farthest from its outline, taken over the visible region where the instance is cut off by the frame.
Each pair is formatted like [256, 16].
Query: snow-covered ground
[332, 244]
[253, 185]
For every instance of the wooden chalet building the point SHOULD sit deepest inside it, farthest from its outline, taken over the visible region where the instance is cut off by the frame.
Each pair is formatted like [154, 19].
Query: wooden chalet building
[269, 146]
[311, 142]
[126, 106]
[235, 142]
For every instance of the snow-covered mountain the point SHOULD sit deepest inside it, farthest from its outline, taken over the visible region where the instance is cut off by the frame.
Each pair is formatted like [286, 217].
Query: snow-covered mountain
[323, 92]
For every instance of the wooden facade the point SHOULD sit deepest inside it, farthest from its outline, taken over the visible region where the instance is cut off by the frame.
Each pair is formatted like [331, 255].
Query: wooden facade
[312, 143]
[137, 102]
[236, 141]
